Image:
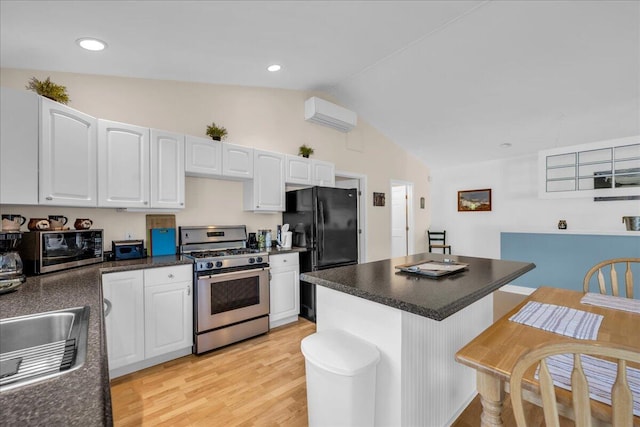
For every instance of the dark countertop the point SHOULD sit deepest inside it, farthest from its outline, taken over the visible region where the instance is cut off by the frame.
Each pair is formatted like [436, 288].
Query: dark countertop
[436, 298]
[274, 251]
[81, 397]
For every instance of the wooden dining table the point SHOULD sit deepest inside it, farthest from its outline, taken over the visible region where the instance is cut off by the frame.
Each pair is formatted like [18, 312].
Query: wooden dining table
[495, 351]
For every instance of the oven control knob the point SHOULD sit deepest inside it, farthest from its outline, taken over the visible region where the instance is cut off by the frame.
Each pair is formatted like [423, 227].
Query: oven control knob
[259, 259]
[209, 265]
[252, 260]
[218, 264]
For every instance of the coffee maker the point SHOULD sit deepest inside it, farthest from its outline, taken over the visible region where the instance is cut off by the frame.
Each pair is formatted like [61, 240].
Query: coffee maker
[11, 275]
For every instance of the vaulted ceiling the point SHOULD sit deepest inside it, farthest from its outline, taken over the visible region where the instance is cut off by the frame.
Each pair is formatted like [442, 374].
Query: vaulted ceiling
[451, 81]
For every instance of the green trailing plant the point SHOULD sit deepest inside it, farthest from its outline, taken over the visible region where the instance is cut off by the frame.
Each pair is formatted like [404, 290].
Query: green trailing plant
[217, 133]
[49, 89]
[305, 151]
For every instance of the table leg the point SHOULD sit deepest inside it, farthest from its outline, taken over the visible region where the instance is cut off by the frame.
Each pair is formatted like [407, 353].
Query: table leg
[491, 396]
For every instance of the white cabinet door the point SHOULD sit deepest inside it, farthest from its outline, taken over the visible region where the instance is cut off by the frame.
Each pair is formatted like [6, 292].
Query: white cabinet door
[266, 191]
[284, 289]
[297, 170]
[168, 318]
[19, 124]
[203, 157]
[323, 173]
[123, 165]
[167, 170]
[168, 309]
[67, 156]
[124, 319]
[237, 161]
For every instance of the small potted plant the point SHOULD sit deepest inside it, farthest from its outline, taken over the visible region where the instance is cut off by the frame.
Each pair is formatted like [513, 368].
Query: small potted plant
[305, 151]
[48, 89]
[217, 133]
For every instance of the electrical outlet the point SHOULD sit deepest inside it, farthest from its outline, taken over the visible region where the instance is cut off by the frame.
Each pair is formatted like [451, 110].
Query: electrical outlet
[128, 235]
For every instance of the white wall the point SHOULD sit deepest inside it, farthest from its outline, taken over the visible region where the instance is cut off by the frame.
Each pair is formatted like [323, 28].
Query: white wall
[515, 206]
[269, 119]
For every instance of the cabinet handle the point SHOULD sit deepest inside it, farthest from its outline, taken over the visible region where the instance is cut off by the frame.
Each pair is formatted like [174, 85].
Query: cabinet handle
[107, 309]
[181, 204]
[284, 260]
[170, 276]
[49, 198]
[146, 203]
[188, 290]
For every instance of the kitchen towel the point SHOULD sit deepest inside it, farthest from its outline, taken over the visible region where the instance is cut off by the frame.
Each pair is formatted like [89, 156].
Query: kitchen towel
[163, 241]
[601, 374]
[609, 301]
[559, 319]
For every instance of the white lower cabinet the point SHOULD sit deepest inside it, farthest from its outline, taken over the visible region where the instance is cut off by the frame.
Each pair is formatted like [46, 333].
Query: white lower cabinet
[148, 317]
[167, 315]
[124, 317]
[284, 289]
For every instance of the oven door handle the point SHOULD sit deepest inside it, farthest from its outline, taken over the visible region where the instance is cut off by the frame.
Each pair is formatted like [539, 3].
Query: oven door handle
[233, 273]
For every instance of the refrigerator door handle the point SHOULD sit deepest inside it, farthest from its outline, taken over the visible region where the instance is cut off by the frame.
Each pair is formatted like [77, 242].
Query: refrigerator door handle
[321, 231]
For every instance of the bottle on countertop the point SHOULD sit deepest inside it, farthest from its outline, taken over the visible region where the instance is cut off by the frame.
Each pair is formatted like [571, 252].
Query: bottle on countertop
[278, 234]
[267, 239]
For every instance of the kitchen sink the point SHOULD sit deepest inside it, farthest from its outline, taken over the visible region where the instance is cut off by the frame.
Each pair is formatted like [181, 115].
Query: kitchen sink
[41, 346]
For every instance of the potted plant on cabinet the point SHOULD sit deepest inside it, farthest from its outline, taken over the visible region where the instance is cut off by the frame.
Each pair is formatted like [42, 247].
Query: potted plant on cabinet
[217, 133]
[49, 89]
[305, 151]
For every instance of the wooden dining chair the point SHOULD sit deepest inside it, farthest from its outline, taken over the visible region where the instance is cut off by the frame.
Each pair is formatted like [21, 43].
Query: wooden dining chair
[613, 276]
[438, 240]
[621, 395]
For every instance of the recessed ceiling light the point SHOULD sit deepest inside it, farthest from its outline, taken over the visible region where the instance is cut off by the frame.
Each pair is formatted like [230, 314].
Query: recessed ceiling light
[274, 67]
[505, 145]
[91, 44]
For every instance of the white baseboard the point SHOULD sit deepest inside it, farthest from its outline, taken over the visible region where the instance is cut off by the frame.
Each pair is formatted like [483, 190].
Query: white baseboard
[462, 408]
[513, 289]
[147, 363]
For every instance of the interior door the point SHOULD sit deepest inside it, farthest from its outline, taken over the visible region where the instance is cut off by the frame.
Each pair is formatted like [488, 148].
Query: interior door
[399, 228]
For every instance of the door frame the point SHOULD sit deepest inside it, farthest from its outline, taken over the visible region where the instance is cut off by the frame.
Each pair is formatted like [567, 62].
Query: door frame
[408, 212]
[362, 219]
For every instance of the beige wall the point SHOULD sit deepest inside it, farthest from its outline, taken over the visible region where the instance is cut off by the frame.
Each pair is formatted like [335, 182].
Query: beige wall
[269, 119]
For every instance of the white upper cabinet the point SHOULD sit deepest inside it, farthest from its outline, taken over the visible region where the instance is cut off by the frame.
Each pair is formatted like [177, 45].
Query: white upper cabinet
[304, 171]
[67, 156]
[203, 157]
[601, 169]
[123, 165]
[323, 173]
[237, 161]
[19, 124]
[265, 193]
[167, 170]
[297, 170]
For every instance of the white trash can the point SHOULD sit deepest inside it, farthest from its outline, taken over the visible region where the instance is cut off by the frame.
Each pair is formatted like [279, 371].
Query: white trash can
[341, 379]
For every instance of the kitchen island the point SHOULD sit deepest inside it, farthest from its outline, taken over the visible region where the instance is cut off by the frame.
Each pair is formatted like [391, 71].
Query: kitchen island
[81, 397]
[418, 323]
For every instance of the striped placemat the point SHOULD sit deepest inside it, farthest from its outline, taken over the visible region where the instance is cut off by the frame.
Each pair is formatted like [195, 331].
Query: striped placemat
[559, 319]
[609, 301]
[601, 374]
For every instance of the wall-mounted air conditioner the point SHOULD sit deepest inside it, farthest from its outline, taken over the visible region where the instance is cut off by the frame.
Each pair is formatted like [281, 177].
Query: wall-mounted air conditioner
[327, 114]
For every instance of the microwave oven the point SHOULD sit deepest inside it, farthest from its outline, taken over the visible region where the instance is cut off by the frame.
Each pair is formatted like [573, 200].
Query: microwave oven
[47, 251]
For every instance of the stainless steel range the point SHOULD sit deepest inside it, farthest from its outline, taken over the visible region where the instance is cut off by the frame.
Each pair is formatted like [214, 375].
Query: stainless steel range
[231, 282]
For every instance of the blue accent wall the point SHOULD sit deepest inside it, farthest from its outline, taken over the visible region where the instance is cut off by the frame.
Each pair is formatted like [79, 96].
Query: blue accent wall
[562, 260]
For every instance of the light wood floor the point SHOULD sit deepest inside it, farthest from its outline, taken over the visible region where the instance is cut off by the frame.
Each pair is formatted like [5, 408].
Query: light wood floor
[259, 382]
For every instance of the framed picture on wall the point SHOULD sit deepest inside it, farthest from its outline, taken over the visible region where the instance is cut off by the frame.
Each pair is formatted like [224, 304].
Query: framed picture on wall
[378, 199]
[474, 200]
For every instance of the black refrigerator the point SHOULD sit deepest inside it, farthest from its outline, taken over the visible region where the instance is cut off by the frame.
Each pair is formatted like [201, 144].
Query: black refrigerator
[325, 221]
